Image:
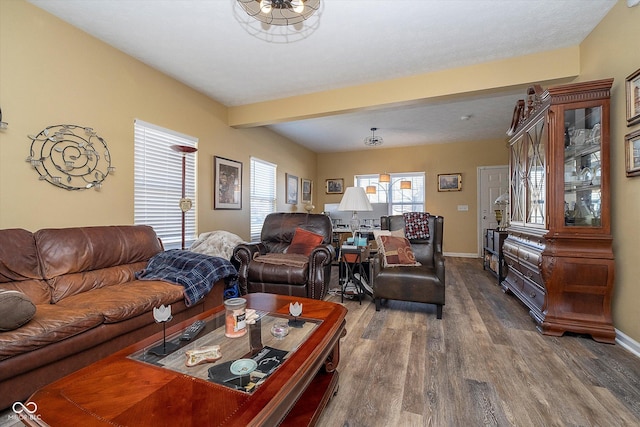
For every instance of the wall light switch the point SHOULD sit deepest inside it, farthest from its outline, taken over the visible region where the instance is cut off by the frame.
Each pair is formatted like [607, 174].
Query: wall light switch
[463, 208]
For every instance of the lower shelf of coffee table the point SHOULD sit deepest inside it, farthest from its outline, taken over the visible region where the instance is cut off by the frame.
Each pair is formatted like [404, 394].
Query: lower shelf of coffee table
[309, 407]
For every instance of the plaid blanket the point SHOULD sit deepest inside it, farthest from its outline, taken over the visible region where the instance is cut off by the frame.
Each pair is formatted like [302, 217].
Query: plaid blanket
[196, 272]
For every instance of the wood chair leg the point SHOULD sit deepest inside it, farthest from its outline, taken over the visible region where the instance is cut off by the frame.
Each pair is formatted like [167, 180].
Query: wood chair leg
[377, 304]
[439, 311]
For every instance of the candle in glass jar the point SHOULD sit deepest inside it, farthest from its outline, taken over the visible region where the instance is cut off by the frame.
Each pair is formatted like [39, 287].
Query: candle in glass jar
[280, 330]
[235, 317]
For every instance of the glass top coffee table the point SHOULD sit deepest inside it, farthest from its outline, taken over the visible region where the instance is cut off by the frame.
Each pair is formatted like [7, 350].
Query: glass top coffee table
[135, 387]
[263, 344]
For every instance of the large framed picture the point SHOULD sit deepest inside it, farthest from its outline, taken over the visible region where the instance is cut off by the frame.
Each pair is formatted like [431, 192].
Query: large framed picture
[292, 189]
[227, 188]
[632, 153]
[335, 186]
[449, 182]
[632, 86]
[307, 187]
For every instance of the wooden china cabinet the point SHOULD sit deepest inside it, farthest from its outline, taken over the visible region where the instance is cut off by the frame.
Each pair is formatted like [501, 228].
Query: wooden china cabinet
[558, 250]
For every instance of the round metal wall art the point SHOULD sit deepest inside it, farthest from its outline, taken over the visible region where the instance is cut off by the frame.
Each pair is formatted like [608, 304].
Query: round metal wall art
[71, 157]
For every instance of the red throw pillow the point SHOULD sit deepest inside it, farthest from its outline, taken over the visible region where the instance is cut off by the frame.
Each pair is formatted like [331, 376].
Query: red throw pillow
[304, 242]
[397, 251]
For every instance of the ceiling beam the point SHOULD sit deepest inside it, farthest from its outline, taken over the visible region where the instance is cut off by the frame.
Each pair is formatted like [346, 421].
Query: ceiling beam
[495, 76]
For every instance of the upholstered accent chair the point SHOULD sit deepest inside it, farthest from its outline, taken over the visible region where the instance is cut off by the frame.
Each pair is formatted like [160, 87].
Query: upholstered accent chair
[293, 257]
[423, 283]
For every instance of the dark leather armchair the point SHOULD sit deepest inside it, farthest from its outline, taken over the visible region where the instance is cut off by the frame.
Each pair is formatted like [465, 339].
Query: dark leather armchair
[295, 275]
[423, 283]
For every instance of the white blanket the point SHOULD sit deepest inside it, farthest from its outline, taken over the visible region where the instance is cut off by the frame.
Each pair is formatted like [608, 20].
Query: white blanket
[218, 243]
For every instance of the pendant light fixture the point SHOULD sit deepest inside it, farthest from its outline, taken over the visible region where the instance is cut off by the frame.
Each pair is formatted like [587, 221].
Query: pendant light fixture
[373, 140]
[280, 12]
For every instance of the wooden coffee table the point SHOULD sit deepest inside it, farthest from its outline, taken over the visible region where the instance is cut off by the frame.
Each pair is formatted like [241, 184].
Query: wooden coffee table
[135, 388]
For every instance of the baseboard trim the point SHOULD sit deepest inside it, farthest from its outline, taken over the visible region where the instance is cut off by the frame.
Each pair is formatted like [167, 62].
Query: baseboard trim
[460, 255]
[628, 343]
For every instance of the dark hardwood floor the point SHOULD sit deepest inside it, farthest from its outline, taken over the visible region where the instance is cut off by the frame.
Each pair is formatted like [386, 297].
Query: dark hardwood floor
[484, 363]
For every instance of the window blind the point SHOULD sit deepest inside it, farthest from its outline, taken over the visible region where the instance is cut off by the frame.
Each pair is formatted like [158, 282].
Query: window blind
[158, 182]
[263, 194]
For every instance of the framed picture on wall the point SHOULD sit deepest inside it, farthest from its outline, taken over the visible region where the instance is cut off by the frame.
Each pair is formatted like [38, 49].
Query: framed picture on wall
[335, 186]
[307, 186]
[292, 189]
[449, 182]
[632, 153]
[227, 186]
[632, 86]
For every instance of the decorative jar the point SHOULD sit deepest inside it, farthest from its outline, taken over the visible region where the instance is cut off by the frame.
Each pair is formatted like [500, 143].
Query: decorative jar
[235, 318]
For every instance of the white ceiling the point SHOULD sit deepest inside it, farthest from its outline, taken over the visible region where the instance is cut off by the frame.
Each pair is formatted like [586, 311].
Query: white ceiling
[212, 46]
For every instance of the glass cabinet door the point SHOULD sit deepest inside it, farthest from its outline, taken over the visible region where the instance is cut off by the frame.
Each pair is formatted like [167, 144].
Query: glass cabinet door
[518, 178]
[536, 176]
[582, 167]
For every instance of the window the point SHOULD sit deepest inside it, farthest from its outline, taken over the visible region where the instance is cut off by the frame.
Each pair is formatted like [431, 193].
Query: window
[399, 200]
[263, 194]
[158, 183]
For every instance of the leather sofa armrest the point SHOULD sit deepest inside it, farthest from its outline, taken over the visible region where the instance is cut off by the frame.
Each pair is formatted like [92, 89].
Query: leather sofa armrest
[249, 249]
[376, 265]
[438, 261]
[243, 254]
[320, 260]
[323, 254]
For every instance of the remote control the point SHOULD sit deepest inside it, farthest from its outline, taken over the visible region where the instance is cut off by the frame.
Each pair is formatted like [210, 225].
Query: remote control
[193, 330]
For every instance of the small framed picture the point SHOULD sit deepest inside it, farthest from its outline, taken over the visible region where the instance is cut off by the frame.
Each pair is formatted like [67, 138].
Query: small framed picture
[335, 186]
[632, 153]
[449, 182]
[292, 189]
[227, 188]
[307, 187]
[633, 98]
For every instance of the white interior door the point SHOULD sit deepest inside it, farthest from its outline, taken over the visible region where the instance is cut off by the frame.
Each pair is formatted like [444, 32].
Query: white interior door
[493, 181]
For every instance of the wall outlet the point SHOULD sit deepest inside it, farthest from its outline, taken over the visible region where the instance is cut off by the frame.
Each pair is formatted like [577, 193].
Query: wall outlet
[463, 208]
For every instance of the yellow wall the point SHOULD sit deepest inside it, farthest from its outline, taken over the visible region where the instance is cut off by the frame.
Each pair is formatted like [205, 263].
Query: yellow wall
[53, 73]
[461, 235]
[611, 50]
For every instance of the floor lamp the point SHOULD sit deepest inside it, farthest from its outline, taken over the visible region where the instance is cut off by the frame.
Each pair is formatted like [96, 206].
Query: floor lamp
[185, 203]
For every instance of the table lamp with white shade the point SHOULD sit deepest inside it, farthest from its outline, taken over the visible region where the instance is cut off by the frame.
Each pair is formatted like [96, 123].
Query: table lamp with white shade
[355, 199]
[502, 215]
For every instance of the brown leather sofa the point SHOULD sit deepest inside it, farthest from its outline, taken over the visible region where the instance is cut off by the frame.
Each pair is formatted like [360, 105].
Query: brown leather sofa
[288, 275]
[88, 303]
[425, 283]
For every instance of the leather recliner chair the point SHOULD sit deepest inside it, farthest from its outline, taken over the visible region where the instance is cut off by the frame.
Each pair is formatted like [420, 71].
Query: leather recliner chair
[425, 283]
[310, 280]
